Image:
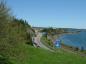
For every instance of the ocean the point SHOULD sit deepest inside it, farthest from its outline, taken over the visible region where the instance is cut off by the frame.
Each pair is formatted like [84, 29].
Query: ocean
[74, 40]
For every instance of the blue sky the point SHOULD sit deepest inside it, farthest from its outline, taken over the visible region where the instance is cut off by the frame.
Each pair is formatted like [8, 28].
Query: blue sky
[51, 13]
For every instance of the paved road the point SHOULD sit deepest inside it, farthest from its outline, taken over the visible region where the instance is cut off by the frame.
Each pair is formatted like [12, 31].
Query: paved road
[39, 43]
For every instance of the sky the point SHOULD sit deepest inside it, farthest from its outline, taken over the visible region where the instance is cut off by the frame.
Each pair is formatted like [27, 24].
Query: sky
[51, 13]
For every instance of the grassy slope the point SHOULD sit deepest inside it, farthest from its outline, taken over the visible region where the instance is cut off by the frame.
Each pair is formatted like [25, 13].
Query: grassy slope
[12, 46]
[31, 55]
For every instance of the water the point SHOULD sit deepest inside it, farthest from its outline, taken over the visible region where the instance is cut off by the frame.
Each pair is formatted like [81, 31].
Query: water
[75, 40]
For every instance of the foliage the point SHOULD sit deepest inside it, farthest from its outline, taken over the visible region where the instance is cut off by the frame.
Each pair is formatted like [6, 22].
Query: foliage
[52, 31]
[47, 41]
[4, 60]
[14, 34]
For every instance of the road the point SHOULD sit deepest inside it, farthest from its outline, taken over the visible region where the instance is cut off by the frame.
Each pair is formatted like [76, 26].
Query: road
[38, 42]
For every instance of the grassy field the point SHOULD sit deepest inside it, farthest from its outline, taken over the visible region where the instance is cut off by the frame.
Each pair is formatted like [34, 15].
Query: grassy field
[31, 55]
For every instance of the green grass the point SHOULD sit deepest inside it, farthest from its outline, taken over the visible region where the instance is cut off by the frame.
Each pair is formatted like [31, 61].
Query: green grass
[14, 50]
[31, 55]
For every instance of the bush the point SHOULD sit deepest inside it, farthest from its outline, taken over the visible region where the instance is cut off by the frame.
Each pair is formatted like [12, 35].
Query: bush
[4, 60]
[76, 49]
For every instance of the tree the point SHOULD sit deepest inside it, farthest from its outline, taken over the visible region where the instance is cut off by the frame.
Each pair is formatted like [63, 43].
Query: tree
[76, 49]
[4, 12]
[4, 17]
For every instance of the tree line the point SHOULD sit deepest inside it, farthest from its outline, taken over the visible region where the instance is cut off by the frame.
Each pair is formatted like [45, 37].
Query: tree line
[14, 33]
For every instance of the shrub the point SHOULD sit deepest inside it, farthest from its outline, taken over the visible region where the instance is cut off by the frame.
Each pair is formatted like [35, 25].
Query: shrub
[4, 60]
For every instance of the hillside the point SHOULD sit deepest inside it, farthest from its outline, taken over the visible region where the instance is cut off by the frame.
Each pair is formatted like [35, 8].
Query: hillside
[33, 55]
[14, 34]
[16, 46]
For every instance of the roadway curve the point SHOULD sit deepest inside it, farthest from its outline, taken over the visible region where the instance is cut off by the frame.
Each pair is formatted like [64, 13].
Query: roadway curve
[37, 40]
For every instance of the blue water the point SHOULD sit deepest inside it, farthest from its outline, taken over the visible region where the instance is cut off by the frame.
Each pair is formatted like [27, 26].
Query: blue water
[75, 40]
